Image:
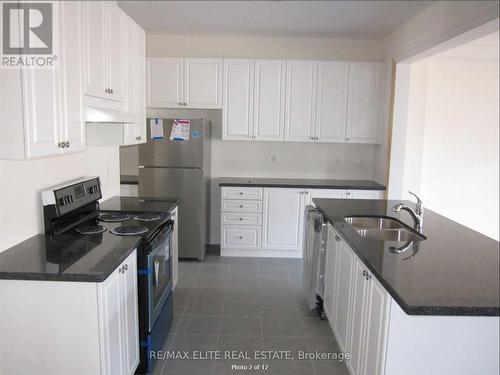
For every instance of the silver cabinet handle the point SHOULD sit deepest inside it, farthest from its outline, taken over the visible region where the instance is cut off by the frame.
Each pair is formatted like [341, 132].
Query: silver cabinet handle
[311, 138]
[106, 91]
[347, 139]
[364, 273]
[67, 144]
[156, 270]
[63, 145]
[59, 144]
[241, 218]
[241, 206]
[241, 193]
[126, 267]
[240, 237]
[138, 138]
[337, 238]
[110, 91]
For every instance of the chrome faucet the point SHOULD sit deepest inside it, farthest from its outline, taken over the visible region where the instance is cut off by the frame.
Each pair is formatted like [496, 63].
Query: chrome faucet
[417, 214]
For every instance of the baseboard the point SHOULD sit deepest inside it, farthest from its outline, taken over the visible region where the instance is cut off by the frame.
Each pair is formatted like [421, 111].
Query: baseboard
[260, 253]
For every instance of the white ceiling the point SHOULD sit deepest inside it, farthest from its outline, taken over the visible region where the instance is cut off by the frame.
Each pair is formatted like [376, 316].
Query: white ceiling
[364, 19]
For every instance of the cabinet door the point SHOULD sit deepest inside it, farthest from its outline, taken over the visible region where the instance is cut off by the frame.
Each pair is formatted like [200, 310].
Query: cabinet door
[95, 48]
[71, 46]
[111, 319]
[164, 82]
[332, 101]
[130, 315]
[42, 106]
[377, 307]
[300, 109]
[283, 219]
[203, 83]
[357, 323]
[343, 289]
[329, 274]
[237, 111]
[116, 53]
[269, 100]
[363, 102]
[131, 68]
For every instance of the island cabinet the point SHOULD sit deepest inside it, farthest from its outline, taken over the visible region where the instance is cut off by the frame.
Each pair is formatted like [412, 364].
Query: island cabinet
[384, 340]
[71, 327]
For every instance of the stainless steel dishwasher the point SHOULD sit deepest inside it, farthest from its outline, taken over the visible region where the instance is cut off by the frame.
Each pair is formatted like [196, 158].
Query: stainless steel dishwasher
[314, 255]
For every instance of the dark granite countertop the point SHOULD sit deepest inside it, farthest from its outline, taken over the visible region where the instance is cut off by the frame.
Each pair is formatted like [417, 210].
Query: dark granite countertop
[139, 204]
[128, 179]
[66, 257]
[301, 183]
[455, 271]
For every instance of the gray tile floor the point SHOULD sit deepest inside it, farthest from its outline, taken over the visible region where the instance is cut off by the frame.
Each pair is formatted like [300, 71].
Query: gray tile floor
[246, 304]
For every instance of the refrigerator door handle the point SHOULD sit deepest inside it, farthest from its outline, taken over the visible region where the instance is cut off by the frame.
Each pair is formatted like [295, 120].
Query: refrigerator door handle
[160, 167]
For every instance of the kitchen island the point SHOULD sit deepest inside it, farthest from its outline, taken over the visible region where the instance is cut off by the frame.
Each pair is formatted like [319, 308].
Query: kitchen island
[432, 308]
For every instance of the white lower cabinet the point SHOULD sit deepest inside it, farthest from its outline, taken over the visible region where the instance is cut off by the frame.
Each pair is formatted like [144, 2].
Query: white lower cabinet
[76, 328]
[273, 218]
[283, 218]
[118, 317]
[357, 307]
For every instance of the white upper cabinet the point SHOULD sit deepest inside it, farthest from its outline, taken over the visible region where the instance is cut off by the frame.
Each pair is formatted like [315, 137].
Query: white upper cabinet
[184, 83]
[300, 109]
[43, 107]
[73, 124]
[203, 83]
[116, 53]
[104, 50]
[332, 101]
[363, 102]
[269, 100]
[237, 112]
[164, 82]
[95, 48]
[283, 218]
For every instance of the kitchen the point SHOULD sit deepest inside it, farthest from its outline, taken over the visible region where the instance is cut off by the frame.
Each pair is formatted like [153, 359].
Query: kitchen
[301, 106]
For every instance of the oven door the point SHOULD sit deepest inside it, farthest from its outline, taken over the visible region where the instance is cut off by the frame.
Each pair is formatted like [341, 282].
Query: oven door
[159, 278]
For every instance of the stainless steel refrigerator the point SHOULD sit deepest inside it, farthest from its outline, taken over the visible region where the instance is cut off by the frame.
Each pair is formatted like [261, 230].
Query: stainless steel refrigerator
[180, 169]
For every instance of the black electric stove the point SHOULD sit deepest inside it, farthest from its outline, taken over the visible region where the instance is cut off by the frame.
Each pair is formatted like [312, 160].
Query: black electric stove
[72, 215]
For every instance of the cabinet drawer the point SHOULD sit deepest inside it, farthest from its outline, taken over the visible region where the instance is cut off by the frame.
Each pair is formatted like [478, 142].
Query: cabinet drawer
[242, 193]
[244, 237]
[241, 218]
[236, 205]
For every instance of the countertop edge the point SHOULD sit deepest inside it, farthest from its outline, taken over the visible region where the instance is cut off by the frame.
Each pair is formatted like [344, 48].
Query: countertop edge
[89, 278]
[303, 186]
[417, 310]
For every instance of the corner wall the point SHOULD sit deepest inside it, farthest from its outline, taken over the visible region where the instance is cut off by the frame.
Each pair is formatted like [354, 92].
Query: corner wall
[21, 184]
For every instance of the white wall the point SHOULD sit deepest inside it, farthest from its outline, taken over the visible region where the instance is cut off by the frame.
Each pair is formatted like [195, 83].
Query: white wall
[238, 46]
[21, 214]
[443, 21]
[460, 177]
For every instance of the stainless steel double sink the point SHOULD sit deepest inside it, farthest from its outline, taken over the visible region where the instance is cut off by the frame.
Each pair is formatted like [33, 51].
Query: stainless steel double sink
[382, 229]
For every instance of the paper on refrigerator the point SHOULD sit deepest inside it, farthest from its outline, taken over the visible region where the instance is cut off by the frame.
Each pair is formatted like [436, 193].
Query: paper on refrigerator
[180, 130]
[156, 128]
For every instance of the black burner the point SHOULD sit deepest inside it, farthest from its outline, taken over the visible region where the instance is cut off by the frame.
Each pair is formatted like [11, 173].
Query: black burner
[129, 231]
[147, 217]
[91, 229]
[113, 218]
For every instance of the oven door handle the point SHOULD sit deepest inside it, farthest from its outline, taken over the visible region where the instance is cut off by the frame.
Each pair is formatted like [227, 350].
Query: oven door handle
[156, 271]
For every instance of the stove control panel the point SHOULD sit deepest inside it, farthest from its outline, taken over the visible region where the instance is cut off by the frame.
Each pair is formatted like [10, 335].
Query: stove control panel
[73, 195]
